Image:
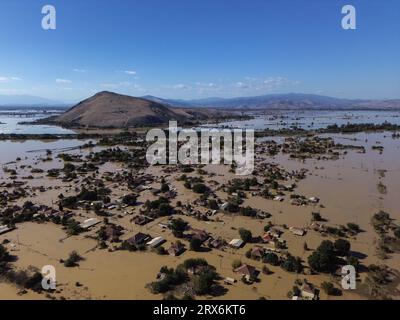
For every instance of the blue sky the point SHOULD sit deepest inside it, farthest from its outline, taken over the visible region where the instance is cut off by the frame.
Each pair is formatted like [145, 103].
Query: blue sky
[200, 48]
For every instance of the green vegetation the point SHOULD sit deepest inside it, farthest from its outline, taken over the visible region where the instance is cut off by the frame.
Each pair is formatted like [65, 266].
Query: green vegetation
[72, 260]
[245, 235]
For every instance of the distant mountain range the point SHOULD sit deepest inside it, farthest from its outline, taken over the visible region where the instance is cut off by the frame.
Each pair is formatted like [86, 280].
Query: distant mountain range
[270, 101]
[282, 101]
[27, 101]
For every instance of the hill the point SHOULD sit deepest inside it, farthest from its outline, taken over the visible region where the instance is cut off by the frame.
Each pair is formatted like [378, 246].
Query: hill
[111, 110]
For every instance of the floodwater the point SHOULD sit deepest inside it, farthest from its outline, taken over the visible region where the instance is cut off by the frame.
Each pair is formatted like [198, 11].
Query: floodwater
[347, 188]
[311, 119]
[11, 124]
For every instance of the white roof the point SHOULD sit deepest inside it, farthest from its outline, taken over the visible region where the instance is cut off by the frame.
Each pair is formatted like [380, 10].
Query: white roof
[155, 242]
[4, 229]
[89, 223]
[236, 242]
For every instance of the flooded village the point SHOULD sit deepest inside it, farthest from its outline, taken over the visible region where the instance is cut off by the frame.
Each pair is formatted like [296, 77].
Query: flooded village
[321, 196]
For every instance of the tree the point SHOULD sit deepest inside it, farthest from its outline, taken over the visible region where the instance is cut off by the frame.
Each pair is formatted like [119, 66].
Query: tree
[4, 255]
[245, 235]
[164, 187]
[204, 282]
[213, 204]
[195, 244]
[271, 258]
[129, 199]
[199, 188]
[178, 226]
[328, 288]
[353, 227]
[292, 264]
[342, 247]
[165, 209]
[323, 259]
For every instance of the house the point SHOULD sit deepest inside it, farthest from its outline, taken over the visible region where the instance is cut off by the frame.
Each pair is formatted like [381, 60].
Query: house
[216, 243]
[247, 271]
[279, 198]
[138, 238]
[197, 270]
[267, 238]
[257, 252]
[229, 280]
[176, 249]
[88, 223]
[112, 233]
[313, 200]
[200, 235]
[297, 231]
[157, 241]
[275, 233]
[4, 229]
[236, 243]
[224, 206]
[163, 225]
[141, 220]
[308, 292]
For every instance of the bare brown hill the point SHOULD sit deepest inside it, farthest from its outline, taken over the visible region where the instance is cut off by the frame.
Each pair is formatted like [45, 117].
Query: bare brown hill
[111, 110]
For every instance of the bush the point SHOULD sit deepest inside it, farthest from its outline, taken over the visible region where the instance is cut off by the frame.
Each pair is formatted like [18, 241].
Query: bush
[72, 260]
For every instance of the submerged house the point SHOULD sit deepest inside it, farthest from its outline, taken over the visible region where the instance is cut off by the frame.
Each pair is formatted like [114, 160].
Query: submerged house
[176, 249]
[4, 229]
[308, 292]
[157, 241]
[236, 243]
[297, 231]
[88, 223]
[200, 235]
[138, 238]
[141, 220]
[247, 271]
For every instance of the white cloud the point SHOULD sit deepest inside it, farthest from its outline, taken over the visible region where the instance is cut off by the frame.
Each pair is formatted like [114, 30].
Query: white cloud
[130, 72]
[79, 70]
[63, 81]
[9, 79]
